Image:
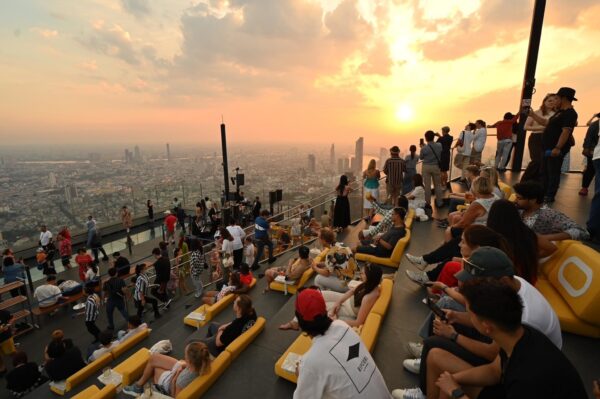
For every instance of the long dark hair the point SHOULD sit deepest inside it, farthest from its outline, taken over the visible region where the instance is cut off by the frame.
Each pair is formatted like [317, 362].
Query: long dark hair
[478, 235]
[504, 218]
[223, 232]
[235, 280]
[342, 185]
[373, 274]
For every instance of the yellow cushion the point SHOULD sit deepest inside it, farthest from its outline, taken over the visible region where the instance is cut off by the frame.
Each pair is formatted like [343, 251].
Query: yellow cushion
[93, 392]
[370, 329]
[410, 218]
[513, 197]
[131, 369]
[8, 347]
[508, 190]
[461, 207]
[576, 277]
[300, 346]
[200, 384]
[548, 264]
[241, 342]
[568, 320]
[87, 393]
[130, 343]
[392, 261]
[293, 288]
[385, 296]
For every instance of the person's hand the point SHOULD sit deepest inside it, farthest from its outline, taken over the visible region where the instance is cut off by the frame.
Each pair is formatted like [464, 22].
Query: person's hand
[438, 285]
[530, 111]
[335, 309]
[555, 152]
[452, 316]
[446, 383]
[442, 329]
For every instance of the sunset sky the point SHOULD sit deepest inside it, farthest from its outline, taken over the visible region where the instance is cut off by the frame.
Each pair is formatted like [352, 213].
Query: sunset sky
[309, 71]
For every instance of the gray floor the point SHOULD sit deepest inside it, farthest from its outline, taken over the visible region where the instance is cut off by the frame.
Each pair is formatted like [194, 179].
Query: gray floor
[251, 375]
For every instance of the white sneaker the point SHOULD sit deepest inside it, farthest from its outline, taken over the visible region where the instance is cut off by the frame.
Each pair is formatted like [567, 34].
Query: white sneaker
[417, 260]
[415, 349]
[411, 393]
[418, 277]
[412, 365]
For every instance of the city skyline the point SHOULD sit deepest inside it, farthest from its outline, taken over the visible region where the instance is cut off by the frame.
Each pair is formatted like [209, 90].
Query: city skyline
[121, 72]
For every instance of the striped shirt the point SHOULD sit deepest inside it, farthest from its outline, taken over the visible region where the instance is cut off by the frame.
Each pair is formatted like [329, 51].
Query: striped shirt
[394, 169]
[91, 307]
[141, 286]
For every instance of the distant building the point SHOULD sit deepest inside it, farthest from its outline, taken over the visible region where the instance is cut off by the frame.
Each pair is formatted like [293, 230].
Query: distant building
[94, 157]
[332, 156]
[312, 163]
[128, 156]
[168, 152]
[70, 193]
[52, 180]
[358, 156]
[137, 155]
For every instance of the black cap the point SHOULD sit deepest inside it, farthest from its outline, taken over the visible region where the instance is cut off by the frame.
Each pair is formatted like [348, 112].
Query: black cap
[486, 262]
[395, 149]
[567, 93]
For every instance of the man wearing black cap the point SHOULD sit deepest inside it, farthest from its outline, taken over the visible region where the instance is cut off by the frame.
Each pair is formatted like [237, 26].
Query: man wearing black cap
[338, 364]
[394, 168]
[557, 140]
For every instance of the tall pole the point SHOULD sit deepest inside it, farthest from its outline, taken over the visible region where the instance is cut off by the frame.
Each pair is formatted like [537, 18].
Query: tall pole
[225, 168]
[535, 36]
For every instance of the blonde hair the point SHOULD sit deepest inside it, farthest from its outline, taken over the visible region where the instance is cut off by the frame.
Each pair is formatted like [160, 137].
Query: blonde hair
[482, 186]
[491, 173]
[372, 165]
[198, 355]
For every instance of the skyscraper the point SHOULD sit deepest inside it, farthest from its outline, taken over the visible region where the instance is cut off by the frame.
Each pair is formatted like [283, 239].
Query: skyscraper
[312, 163]
[126, 155]
[137, 156]
[52, 180]
[70, 193]
[332, 156]
[168, 152]
[358, 157]
[346, 165]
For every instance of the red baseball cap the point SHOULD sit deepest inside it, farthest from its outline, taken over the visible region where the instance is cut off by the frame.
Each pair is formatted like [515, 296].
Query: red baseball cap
[310, 304]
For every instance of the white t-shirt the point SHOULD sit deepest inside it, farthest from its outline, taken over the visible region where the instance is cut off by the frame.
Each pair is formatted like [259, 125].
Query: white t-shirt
[45, 237]
[47, 295]
[90, 275]
[538, 313]
[419, 201]
[479, 139]
[123, 336]
[249, 253]
[238, 235]
[101, 351]
[338, 365]
[467, 138]
[227, 247]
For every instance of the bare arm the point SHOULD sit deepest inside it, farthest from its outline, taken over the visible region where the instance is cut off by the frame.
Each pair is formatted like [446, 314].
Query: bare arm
[473, 212]
[486, 375]
[538, 119]
[365, 307]
[545, 246]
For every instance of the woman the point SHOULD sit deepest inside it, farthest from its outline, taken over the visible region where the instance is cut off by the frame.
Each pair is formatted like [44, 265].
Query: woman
[62, 358]
[170, 375]
[83, 259]
[492, 173]
[371, 178]
[150, 208]
[126, 218]
[183, 264]
[197, 264]
[65, 249]
[411, 162]
[416, 198]
[536, 153]
[91, 278]
[219, 336]
[226, 250]
[526, 247]
[327, 279]
[24, 376]
[354, 306]
[341, 211]
[234, 286]
[294, 270]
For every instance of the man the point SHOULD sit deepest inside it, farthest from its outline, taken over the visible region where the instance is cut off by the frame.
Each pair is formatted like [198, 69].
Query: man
[238, 235]
[430, 155]
[261, 237]
[557, 140]
[170, 222]
[92, 306]
[394, 168]
[591, 149]
[47, 243]
[208, 202]
[121, 263]
[140, 293]
[552, 224]
[446, 141]
[479, 138]
[176, 204]
[338, 365]
[115, 295]
[181, 218]
[464, 146]
[384, 245]
[48, 294]
[94, 239]
[69, 287]
[528, 365]
[504, 132]
[256, 208]
[162, 268]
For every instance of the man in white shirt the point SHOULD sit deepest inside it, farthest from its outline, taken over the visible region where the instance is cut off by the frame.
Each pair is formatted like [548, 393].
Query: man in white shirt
[479, 139]
[462, 159]
[46, 243]
[338, 365]
[238, 235]
[48, 294]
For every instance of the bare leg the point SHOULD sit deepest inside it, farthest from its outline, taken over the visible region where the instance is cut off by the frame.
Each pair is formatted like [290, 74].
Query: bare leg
[156, 365]
[208, 298]
[438, 361]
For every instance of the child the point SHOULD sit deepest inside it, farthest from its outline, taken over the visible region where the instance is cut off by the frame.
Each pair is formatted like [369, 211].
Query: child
[92, 305]
[106, 344]
[245, 274]
[83, 259]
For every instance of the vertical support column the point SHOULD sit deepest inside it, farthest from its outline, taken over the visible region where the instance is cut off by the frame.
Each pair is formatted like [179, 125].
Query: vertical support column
[225, 220]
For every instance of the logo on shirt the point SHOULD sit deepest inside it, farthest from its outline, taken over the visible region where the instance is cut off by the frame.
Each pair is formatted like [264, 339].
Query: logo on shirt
[353, 351]
[356, 361]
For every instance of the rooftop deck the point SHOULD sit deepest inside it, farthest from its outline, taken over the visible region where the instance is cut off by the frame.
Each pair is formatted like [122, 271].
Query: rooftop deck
[251, 375]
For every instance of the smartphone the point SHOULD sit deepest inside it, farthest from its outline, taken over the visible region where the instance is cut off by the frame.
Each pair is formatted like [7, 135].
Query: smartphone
[421, 142]
[436, 310]
[428, 284]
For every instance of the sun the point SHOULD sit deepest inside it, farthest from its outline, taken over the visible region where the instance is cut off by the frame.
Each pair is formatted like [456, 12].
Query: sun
[404, 112]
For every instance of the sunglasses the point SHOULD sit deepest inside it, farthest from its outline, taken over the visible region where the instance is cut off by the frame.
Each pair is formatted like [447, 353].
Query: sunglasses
[472, 268]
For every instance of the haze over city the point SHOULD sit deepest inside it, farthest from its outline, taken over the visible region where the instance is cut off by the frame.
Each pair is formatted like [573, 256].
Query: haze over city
[285, 71]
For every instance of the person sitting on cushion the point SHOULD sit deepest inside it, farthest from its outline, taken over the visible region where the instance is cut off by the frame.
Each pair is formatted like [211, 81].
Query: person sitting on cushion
[294, 270]
[384, 246]
[234, 286]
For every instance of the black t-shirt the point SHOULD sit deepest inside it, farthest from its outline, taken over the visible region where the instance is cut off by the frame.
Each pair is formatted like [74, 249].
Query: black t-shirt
[391, 237]
[446, 142]
[563, 118]
[114, 287]
[23, 377]
[538, 369]
[162, 267]
[66, 365]
[121, 262]
[236, 328]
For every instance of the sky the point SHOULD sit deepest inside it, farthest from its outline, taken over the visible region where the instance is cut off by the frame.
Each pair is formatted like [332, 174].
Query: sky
[301, 71]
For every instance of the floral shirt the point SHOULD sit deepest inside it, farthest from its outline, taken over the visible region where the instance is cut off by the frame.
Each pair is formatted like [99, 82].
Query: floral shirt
[197, 264]
[549, 221]
[385, 222]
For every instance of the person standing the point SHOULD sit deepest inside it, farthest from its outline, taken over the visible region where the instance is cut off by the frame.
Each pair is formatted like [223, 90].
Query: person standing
[140, 293]
[170, 222]
[65, 249]
[446, 141]
[238, 235]
[410, 163]
[162, 269]
[261, 235]
[181, 218]
[83, 259]
[394, 169]
[464, 146]
[150, 208]
[256, 208]
[536, 153]
[92, 306]
[430, 154]
[504, 132]
[479, 138]
[557, 140]
[591, 139]
[94, 239]
[47, 243]
[197, 266]
[341, 212]
[126, 218]
[593, 223]
[115, 294]
[371, 178]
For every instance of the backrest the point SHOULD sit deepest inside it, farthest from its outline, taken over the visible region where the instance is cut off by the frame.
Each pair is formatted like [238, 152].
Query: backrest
[370, 330]
[240, 343]
[385, 296]
[305, 276]
[108, 392]
[399, 248]
[130, 343]
[508, 190]
[201, 384]
[88, 370]
[576, 277]
[220, 305]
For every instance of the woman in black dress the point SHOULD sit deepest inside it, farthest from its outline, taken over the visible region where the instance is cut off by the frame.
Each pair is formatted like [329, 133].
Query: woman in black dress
[150, 207]
[341, 211]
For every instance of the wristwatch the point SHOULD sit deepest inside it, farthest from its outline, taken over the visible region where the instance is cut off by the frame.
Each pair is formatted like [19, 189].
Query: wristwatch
[457, 393]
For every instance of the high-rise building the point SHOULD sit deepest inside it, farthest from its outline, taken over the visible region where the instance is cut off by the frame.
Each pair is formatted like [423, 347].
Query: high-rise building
[94, 157]
[312, 163]
[358, 157]
[168, 152]
[137, 155]
[70, 193]
[332, 156]
[346, 166]
[352, 164]
[52, 180]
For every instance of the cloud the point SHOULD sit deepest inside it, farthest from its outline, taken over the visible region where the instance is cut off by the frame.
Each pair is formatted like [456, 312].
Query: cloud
[45, 33]
[113, 41]
[88, 65]
[138, 8]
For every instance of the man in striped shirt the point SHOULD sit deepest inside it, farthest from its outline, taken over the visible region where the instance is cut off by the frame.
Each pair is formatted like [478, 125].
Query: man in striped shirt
[394, 168]
[140, 296]
[91, 312]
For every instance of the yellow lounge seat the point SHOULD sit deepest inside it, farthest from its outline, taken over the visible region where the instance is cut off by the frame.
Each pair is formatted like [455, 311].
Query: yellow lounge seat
[394, 259]
[201, 384]
[409, 219]
[506, 189]
[370, 330]
[513, 197]
[241, 342]
[292, 288]
[300, 346]
[547, 264]
[462, 207]
[83, 374]
[210, 311]
[130, 343]
[131, 368]
[385, 296]
[572, 288]
[93, 392]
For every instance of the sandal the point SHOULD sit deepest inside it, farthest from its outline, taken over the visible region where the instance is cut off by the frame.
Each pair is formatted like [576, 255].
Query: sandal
[289, 326]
